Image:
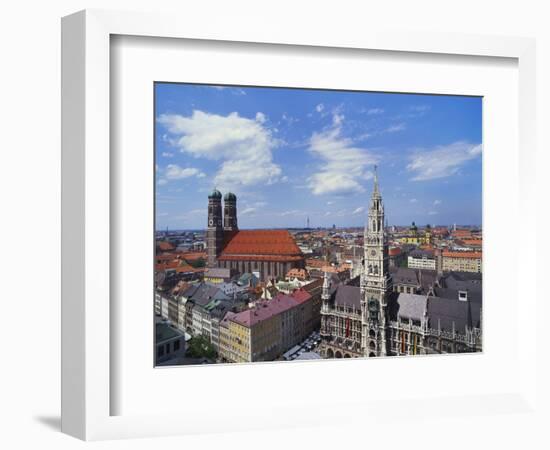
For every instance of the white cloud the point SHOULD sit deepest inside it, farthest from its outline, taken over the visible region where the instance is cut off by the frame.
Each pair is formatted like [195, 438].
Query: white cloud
[432, 213]
[289, 120]
[374, 111]
[244, 146]
[359, 210]
[320, 107]
[167, 154]
[260, 117]
[293, 212]
[363, 137]
[248, 211]
[395, 128]
[420, 108]
[337, 119]
[442, 161]
[162, 182]
[233, 90]
[437, 202]
[175, 172]
[330, 203]
[413, 200]
[343, 165]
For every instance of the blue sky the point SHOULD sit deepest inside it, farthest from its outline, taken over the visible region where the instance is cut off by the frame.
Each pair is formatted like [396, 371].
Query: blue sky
[292, 153]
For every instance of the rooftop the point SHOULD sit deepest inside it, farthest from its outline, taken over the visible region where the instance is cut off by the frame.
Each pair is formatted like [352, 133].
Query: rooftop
[264, 310]
[164, 332]
[411, 306]
[476, 255]
[261, 243]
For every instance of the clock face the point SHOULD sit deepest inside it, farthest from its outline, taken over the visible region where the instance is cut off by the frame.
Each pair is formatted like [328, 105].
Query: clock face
[210, 222]
[373, 252]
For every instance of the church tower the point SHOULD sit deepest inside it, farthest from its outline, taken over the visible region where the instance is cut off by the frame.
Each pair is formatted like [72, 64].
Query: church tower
[230, 212]
[375, 280]
[214, 231]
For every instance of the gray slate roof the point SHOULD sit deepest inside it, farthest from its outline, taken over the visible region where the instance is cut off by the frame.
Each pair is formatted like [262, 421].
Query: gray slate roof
[218, 272]
[411, 306]
[475, 296]
[403, 275]
[447, 311]
[345, 295]
[472, 282]
[203, 293]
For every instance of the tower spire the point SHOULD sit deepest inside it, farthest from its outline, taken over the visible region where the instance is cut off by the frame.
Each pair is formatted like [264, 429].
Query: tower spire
[375, 179]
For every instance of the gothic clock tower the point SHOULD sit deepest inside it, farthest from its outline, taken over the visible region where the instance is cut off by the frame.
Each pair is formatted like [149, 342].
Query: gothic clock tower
[375, 280]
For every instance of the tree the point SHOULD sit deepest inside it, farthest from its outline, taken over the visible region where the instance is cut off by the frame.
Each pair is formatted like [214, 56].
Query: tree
[198, 263]
[199, 347]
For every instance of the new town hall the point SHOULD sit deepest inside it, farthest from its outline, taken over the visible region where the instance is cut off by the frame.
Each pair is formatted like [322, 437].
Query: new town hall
[375, 319]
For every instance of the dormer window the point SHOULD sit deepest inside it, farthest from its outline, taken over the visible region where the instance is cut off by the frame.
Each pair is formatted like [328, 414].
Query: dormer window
[463, 296]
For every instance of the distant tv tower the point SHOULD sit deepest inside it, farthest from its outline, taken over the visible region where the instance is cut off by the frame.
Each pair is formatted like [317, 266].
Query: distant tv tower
[307, 223]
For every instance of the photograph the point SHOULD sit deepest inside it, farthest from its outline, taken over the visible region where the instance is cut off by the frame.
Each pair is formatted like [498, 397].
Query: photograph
[301, 224]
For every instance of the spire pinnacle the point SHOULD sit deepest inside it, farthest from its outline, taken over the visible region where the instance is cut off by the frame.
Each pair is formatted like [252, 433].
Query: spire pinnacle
[375, 179]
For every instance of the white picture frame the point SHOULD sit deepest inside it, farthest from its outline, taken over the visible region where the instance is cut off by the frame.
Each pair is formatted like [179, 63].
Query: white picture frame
[86, 218]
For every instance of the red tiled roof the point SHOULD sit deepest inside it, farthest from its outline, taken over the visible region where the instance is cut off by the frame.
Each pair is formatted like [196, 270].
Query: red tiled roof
[476, 255]
[301, 296]
[462, 233]
[165, 266]
[193, 256]
[298, 273]
[263, 243]
[477, 242]
[164, 245]
[315, 262]
[283, 258]
[165, 257]
[394, 251]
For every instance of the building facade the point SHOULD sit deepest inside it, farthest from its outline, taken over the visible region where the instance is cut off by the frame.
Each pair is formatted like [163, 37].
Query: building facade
[462, 261]
[421, 259]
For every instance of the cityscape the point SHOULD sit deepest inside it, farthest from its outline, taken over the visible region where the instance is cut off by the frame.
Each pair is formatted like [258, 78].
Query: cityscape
[254, 263]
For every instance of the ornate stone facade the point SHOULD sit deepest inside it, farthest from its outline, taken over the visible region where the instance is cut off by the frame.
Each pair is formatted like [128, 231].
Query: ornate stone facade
[375, 320]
